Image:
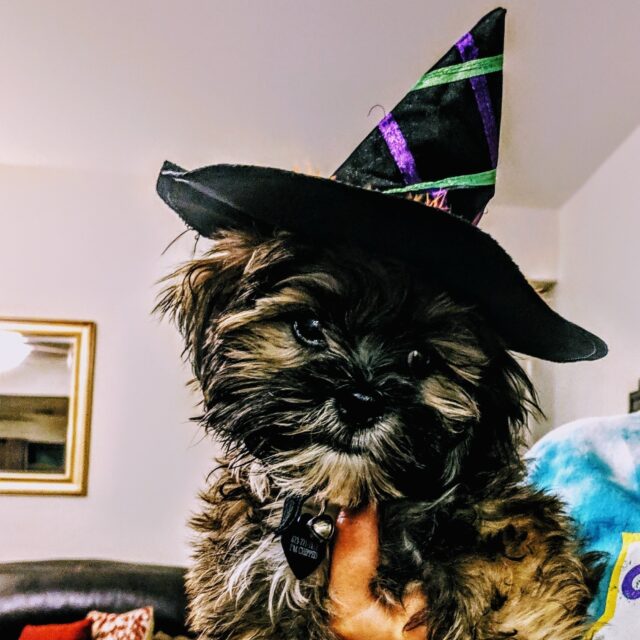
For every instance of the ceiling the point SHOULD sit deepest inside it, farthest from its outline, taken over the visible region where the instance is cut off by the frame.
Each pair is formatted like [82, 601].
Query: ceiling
[121, 85]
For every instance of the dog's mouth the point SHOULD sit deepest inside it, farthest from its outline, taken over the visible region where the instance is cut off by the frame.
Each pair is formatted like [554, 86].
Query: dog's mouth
[344, 463]
[363, 440]
[352, 442]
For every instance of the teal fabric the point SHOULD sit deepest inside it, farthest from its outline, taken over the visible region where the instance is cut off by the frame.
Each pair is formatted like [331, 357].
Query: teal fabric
[593, 465]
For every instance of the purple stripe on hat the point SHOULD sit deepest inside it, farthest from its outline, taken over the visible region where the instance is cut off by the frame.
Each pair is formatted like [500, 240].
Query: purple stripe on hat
[399, 149]
[469, 51]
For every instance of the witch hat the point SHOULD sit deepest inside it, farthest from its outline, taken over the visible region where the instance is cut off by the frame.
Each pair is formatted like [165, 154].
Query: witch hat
[414, 189]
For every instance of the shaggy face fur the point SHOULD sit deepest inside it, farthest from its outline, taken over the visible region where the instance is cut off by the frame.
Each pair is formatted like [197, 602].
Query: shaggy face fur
[447, 397]
[333, 374]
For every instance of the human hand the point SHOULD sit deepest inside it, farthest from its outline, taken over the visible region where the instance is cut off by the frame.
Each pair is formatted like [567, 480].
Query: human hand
[355, 612]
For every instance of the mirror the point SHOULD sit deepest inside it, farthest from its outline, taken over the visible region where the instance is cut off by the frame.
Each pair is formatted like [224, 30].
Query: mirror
[46, 378]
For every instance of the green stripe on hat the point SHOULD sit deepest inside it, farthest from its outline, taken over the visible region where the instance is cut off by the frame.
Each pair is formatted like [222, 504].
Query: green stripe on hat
[462, 71]
[483, 179]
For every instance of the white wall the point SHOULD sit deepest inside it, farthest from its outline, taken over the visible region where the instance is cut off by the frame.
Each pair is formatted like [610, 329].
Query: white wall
[87, 246]
[591, 245]
[598, 272]
[96, 91]
[530, 236]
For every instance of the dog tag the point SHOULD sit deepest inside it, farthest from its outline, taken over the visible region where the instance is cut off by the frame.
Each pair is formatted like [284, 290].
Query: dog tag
[303, 549]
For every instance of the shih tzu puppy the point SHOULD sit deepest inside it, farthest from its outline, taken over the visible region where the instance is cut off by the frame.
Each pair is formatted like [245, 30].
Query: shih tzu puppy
[353, 347]
[331, 374]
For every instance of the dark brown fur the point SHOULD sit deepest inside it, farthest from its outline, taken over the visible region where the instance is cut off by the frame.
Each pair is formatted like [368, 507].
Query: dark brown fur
[494, 557]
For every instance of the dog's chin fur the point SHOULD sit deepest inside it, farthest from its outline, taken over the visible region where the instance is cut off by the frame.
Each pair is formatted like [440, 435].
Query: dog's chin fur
[443, 435]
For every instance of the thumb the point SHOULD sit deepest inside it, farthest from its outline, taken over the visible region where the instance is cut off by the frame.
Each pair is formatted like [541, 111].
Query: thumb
[354, 557]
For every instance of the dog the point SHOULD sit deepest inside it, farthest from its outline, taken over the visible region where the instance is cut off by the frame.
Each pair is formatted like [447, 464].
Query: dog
[350, 378]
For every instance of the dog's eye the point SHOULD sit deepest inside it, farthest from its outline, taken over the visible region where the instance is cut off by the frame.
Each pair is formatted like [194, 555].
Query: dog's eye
[419, 363]
[308, 331]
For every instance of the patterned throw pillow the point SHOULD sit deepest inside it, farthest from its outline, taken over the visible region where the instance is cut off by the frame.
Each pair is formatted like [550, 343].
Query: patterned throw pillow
[132, 625]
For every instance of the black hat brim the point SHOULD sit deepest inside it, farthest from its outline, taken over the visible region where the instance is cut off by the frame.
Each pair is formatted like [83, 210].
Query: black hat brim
[468, 260]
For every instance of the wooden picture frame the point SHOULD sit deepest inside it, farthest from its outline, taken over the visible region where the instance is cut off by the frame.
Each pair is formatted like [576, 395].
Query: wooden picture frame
[46, 392]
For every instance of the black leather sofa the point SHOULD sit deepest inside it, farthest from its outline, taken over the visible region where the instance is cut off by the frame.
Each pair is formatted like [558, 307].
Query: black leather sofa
[58, 591]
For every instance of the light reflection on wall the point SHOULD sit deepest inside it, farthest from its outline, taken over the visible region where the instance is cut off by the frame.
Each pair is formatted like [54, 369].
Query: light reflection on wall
[13, 350]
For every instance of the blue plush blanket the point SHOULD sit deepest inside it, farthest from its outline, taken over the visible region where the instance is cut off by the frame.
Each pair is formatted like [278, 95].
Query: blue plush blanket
[593, 465]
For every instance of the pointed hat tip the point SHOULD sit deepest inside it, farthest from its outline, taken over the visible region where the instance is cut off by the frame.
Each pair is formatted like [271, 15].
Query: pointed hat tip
[496, 15]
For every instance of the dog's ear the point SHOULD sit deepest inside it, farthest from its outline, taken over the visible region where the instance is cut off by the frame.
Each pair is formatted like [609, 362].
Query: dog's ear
[224, 280]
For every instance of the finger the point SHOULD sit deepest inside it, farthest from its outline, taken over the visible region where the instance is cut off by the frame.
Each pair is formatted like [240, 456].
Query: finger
[354, 557]
[412, 604]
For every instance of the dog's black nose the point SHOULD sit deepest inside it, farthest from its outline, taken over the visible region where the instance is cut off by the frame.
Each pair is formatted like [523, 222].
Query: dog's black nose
[359, 407]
